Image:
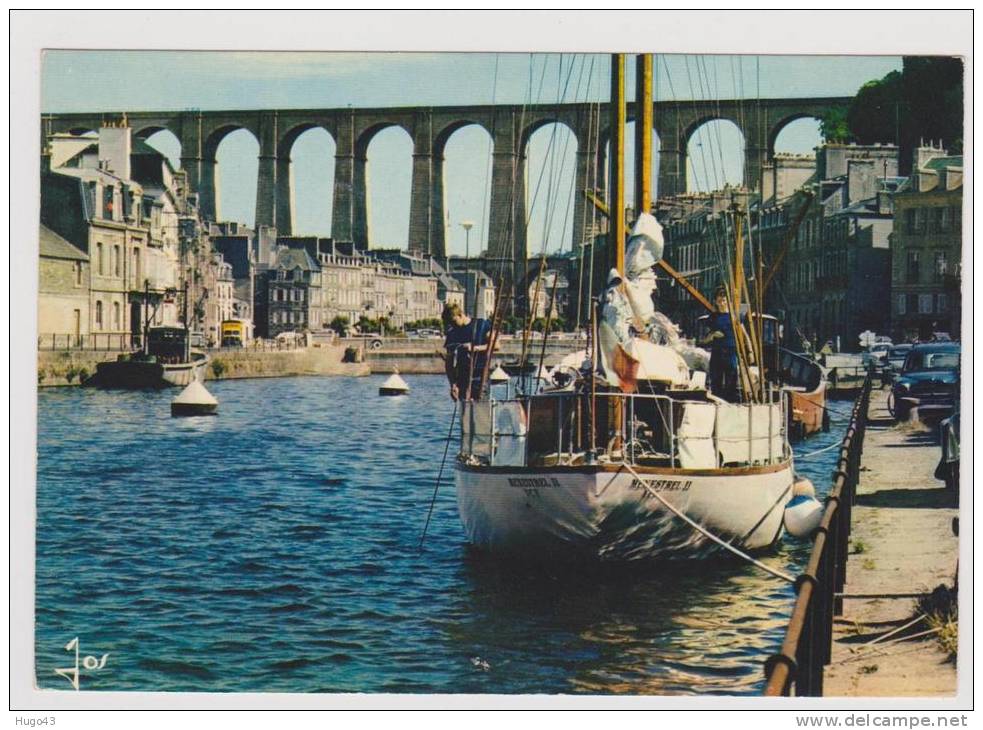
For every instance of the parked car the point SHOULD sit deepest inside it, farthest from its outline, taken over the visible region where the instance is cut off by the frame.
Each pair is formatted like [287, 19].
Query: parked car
[929, 381]
[876, 354]
[948, 468]
[895, 361]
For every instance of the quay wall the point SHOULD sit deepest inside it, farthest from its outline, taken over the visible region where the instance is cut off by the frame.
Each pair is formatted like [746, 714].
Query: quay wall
[69, 367]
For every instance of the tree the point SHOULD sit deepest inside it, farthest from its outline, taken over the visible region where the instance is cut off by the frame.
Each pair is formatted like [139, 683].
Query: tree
[921, 103]
[340, 325]
[834, 127]
[876, 110]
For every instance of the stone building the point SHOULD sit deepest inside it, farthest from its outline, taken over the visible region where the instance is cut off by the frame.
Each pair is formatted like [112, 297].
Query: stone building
[63, 288]
[927, 248]
[90, 200]
[288, 295]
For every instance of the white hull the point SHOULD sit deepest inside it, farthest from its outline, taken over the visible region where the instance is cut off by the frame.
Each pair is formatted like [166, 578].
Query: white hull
[606, 514]
[185, 373]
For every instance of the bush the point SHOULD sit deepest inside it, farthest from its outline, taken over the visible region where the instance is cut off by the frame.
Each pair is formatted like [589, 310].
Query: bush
[218, 367]
[83, 374]
[70, 373]
[42, 374]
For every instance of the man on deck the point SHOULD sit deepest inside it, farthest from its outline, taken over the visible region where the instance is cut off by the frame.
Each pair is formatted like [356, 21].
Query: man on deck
[467, 343]
[723, 350]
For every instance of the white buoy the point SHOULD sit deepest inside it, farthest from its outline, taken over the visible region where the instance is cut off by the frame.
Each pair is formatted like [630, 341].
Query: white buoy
[803, 488]
[194, 400]
[803, 515]
[498, 375]
[394, 385]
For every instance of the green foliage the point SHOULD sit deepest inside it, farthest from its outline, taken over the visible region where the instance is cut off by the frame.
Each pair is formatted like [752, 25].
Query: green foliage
[340, 324]
[834, 127]
[70, 373]
[218, 367]
[876, 111]
[83, 374]
[556, 325]
[42, 374]
[430, 323]
[924, 101]
[368, 326]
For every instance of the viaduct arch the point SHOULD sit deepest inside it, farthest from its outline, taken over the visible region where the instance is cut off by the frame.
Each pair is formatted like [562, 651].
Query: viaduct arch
[510, 127]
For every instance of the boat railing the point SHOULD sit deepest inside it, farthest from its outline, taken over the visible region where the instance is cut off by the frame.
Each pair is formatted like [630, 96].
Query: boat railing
[572, 429]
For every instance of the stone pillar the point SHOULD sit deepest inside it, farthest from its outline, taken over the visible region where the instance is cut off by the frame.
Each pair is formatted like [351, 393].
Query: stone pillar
[672, 165]
[266, 175]
[672, 153]
[755, 149]
[341, 214]
[583, 180]
[438, 214]
[208, 190]
[519, 243]
[422, 190]
[284, 196]
[191, 149]
[360, 201]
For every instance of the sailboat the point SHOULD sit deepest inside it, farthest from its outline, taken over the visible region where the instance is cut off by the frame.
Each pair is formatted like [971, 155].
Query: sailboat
[632, 457]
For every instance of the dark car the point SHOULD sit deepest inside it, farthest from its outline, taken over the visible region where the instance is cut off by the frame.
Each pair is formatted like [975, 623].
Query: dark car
[948, 468]
[928, 381]
[894, 363]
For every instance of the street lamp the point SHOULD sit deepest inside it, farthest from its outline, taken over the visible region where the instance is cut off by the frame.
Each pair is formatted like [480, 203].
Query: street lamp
[467, 226]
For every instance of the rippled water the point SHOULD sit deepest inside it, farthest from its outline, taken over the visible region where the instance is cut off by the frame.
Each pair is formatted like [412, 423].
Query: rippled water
[274, 548]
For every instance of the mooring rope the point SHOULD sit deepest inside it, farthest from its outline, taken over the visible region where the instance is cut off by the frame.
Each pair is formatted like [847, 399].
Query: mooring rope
[440, 473]
[818, 451]
[706, 533]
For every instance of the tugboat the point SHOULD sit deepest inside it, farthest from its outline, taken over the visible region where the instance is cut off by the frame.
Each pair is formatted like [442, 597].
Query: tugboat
[165, 361]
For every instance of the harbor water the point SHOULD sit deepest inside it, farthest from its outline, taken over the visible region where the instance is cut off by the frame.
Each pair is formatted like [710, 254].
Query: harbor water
[275, 548]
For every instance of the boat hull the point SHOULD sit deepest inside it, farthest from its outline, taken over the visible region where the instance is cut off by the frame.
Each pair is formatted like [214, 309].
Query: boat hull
[603, 512]
[808, 411]
[139, 374]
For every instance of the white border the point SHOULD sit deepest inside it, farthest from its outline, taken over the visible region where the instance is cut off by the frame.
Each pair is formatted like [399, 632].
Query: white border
[776, 31]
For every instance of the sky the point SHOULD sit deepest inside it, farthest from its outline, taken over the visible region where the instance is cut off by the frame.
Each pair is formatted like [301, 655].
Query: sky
[94, 81]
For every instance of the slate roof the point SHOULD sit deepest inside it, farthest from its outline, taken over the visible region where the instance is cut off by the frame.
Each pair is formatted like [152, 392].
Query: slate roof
[54, 246]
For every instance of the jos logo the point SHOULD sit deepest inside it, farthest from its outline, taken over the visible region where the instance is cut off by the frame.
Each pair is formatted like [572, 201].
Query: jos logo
[89, 663]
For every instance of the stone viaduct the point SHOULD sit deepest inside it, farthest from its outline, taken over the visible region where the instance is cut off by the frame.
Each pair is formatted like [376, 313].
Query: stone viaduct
[510, 127]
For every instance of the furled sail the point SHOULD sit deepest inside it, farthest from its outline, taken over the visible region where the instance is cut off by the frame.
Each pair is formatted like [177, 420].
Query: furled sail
[636, 341]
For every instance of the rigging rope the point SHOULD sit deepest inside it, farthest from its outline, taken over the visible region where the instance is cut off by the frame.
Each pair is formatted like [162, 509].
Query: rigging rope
[440, 473]
[702, 530]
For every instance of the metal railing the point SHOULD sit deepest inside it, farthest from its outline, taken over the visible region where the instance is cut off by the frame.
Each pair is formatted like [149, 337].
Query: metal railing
[808, 643]
[555, 428]
[105, 341]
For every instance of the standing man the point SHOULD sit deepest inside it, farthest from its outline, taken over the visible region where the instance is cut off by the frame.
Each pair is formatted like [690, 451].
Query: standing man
[466, 343]
[723, 349]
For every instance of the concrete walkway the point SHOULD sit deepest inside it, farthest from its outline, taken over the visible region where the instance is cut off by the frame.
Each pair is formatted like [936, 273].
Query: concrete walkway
[901, 543]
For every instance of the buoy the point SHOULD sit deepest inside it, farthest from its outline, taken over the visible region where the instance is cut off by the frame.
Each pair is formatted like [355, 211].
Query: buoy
[803, 487]
[498, 375]
[803, 515]
[194, 400]
[394, 385]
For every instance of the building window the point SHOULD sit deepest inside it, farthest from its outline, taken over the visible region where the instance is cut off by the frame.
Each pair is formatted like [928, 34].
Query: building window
[939, 219]
[942, 302]
[955, 215]
[100, 258]
[116, 271]
[99, 315]
[924, 303]
[913, 268]
[909, 218]
[137, 275]
[78, 273]
[116, 323]
[940, 264]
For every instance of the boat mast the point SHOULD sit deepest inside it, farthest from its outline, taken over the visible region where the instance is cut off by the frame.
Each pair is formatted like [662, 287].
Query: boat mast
[644, 121]
[616, 183]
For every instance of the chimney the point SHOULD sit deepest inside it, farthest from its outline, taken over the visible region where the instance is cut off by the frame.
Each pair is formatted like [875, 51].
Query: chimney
[114, 150]
[861, 180]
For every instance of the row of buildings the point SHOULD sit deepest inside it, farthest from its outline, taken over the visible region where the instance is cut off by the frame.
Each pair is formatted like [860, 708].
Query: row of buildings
[123, 246]
[861, 248]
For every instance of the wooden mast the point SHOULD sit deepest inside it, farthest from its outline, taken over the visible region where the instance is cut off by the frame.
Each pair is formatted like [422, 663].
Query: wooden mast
[644, 123]
[616, 183]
